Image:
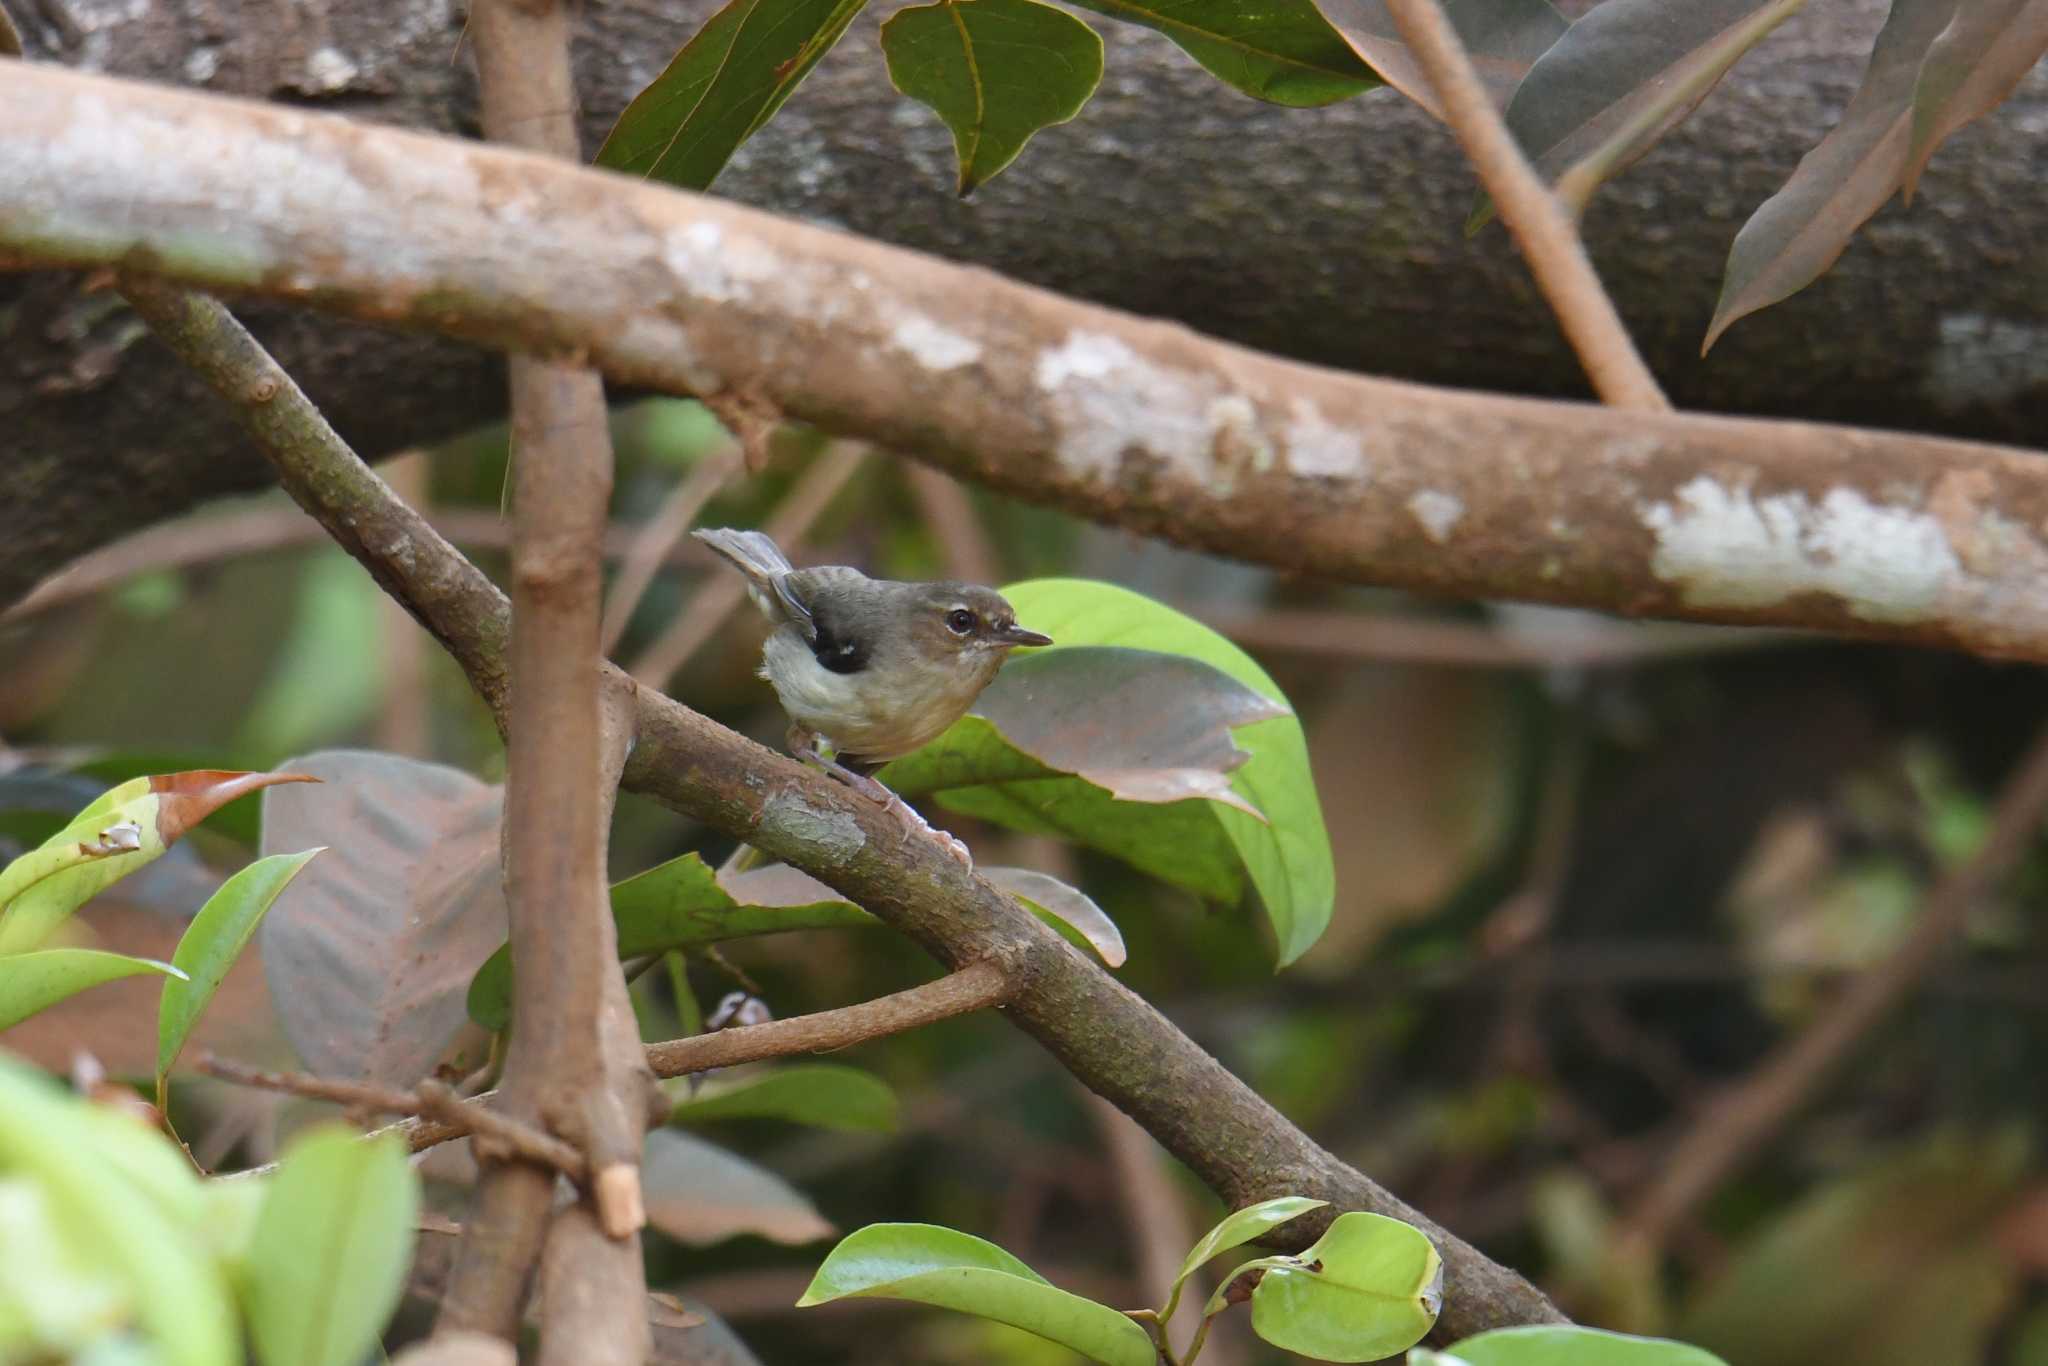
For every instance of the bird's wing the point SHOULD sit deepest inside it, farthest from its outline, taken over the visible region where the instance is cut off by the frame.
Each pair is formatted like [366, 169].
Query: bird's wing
[817, 598]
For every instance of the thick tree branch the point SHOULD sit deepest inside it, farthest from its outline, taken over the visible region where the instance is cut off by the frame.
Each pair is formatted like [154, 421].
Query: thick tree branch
[1106, 1035]
[1548, 241]
[1145, 426]
[574, 1065]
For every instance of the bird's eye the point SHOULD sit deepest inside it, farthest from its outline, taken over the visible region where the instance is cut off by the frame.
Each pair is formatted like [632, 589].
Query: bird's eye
[960, 621]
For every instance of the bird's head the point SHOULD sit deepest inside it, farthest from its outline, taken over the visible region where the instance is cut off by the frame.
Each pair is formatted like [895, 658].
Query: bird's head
[968, 624]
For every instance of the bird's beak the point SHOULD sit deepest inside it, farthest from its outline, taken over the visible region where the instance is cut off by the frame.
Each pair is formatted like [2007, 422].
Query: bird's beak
[1017, 635]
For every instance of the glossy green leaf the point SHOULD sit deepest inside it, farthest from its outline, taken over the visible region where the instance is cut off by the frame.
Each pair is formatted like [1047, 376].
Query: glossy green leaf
[35, 981]
[212, 943]
[1235, 1230]
[827, 1095]
[1503, 37]
[1623, 76]
[1281, 51]
[678, 904]
[1987, 48]
[1566, 1345]
[1375, 1292]
[726, 82]
[1286, 854]
[953, 1270]
[179, 1295]
[122, 830]
[331, 1247]
[996, 71]
[1796, 234]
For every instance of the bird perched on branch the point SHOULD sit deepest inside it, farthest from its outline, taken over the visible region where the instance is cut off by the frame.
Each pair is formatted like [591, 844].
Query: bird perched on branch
[870, 669]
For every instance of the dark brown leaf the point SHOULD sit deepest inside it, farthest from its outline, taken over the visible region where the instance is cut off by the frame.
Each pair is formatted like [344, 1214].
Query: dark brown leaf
[370, 958]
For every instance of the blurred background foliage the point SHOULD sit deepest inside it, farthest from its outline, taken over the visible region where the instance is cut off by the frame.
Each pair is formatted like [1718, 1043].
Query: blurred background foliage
[1589, 874]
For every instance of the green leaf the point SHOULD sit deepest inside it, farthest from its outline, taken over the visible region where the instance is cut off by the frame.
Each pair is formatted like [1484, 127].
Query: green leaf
[1281, 51]
[210, 946]
[722, 87]
[996, 71]
[1796, 234]
[331, 1248]
[1562, 1345]
[35, 981]
[121, 831]
[1236, 1230]
[824, 1094]
[179, 1295]
[1067, 909]
[1287, 855]
[675, 905]
[1377, 1291]
[953, 1270]
[1983, 53]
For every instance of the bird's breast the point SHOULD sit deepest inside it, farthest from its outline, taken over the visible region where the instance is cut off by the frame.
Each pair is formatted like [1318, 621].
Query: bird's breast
[879, 712]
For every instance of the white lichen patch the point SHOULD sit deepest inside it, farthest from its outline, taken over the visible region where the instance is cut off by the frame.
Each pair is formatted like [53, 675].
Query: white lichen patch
[329, 71]
[1106, 400]
[1438, 512]
[933, 346]
[1978, 359]
[713, 266]
[1726, 548]
[1319, 449]
[836, 834]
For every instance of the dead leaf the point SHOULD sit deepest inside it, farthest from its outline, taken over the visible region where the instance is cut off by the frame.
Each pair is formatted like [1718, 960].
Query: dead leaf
[1798, 232]
[370, 954]
[1069, 905]
[1504, 38]
[185, 799]
[698, 1193]
[1983, 53]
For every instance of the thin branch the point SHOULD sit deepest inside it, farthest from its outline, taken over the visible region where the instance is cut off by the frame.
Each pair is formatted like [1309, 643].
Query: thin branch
[657, 541]
[435, 1104]
[1739, 1122]
[717, 597]
[1148, 428]
[1541, 227]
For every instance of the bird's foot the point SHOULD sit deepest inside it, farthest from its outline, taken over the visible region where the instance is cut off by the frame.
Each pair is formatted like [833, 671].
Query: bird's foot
[814, 748]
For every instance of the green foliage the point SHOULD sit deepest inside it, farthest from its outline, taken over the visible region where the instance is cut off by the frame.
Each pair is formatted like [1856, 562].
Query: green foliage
[1562, 1345]
[1281, 51]
[726, 82]
[953, 1270]
[996, 71]
[827, 1095]
[1285, 850]
[330, 1249]
[210, 946]
[1368, 1288]
[35, 981]
[1235, 1230]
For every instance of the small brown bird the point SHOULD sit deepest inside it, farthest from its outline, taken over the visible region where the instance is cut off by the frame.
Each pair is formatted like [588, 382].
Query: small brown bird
[872, 668]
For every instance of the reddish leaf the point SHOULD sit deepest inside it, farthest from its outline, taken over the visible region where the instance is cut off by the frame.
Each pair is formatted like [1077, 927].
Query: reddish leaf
[185, 799]
[1798, 232]
[1504, 38]
[370, 957]
[1971, 68]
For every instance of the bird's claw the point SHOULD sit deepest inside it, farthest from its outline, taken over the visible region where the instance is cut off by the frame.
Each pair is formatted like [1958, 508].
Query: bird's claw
[917, 825]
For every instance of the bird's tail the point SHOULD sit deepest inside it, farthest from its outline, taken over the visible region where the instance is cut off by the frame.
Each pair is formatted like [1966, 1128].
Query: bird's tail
[751, 552]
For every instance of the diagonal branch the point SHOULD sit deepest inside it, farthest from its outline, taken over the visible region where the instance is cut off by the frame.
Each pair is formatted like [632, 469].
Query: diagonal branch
[1105, 1034]
[1147, 427]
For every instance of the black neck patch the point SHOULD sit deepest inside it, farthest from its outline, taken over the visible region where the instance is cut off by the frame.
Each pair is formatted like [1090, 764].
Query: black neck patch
[841, 654]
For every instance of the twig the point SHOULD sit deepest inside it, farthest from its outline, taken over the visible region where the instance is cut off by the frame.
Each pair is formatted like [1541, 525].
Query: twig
[658, 539]
[436, 1104]
[404, 719]
[1741, 1120]
[1542, 229]
[716, 597]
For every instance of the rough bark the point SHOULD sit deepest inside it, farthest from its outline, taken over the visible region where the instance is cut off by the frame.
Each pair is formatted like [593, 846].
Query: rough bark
[1331, 235]
[1137, 424]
